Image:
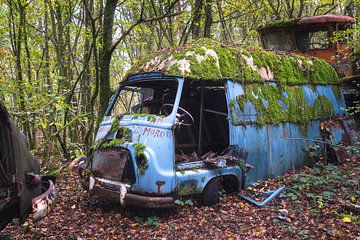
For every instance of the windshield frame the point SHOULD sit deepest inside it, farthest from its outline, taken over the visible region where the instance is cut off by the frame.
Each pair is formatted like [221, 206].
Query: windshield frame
[171, 117]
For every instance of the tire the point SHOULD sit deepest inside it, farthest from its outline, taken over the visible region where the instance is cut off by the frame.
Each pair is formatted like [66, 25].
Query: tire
[210, 194]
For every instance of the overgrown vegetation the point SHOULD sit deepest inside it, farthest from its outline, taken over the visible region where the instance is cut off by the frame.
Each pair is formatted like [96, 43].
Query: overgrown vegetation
[210, 60]
[274, 105]
[141, 159]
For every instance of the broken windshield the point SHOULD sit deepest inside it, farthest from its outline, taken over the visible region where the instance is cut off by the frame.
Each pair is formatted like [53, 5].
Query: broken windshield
[146, 97]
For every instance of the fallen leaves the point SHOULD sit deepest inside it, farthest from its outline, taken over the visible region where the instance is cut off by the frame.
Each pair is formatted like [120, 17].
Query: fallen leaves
[78, 215]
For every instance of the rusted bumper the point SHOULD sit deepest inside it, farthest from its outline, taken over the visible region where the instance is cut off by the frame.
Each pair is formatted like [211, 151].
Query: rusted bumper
[44, 203]
[134, 199]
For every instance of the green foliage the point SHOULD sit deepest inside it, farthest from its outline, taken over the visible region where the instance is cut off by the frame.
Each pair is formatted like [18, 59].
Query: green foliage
[141, 160]
[113, 143]
[313, 185]
[150, 117]
[182, 203]
[351, 217]
[149, 221]
[222, 194]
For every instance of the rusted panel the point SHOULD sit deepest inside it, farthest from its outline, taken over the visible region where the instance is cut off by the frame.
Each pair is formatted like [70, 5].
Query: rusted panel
[326, 19]
[275, 149]
[339, 134]
[43, 204]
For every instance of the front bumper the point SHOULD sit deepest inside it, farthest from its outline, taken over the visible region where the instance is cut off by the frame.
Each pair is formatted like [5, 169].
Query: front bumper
[118, 193]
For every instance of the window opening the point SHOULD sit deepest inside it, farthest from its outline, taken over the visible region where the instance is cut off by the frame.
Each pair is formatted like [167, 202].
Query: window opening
[312, 39]
[209, 134]
[279, 40]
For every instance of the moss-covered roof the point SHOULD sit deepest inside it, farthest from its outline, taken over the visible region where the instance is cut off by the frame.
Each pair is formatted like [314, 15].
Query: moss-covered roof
[281, 23]
[210, 60]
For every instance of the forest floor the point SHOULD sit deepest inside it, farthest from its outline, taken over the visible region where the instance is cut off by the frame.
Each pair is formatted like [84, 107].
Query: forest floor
[310, 208]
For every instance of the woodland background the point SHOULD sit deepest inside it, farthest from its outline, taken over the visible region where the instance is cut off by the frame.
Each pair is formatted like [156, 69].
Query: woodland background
[60, 60]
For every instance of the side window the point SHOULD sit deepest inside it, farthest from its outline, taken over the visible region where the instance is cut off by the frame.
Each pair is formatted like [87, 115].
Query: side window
[342, 33]
[281, 40]
[313, 39]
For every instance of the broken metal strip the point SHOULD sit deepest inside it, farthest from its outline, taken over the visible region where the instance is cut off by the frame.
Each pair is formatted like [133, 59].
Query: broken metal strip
[263, 203]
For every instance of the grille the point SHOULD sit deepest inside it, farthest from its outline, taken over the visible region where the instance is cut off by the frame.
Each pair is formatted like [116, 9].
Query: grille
[110, 163]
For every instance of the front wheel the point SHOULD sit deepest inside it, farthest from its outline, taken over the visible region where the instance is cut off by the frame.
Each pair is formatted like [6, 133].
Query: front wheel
[211, 192]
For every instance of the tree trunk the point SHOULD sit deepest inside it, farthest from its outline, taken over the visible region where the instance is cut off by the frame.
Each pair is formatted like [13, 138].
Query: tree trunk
[208, 18]
[105, 56]
[198, 6]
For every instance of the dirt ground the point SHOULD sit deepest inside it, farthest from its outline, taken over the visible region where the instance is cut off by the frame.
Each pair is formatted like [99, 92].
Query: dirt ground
[312, 207]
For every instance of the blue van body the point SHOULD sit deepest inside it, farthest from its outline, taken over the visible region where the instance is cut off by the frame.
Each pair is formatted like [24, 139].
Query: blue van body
[146, 148]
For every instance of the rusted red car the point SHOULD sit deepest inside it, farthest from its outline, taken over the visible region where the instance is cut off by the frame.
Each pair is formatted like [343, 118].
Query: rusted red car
[326, 37]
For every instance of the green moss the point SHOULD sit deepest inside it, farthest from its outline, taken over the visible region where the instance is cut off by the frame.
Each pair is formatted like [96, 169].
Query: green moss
[125, 132]
[188, 189]
[322, 108]
[337, 91]
[274, 105]
[113, 143]
[205, 59]
[150, 117]
[281, 23]
[141, 160]
[114, 125]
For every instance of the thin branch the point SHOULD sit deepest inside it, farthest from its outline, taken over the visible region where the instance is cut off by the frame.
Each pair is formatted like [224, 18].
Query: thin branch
[138, 22]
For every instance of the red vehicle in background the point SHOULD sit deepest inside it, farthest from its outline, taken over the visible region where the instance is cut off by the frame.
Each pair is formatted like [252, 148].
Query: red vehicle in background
[325, 37]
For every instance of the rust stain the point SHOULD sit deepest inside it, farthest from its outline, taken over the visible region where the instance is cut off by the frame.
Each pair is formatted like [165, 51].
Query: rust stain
[285, 132]
[159, 184]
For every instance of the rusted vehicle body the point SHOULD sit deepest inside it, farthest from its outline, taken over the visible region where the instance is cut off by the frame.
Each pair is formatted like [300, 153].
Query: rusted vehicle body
[326, 37]
[192, 120]
[22, 189]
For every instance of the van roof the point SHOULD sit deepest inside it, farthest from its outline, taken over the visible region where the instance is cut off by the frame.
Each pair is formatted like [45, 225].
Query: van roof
[206, 59]
[321, 19]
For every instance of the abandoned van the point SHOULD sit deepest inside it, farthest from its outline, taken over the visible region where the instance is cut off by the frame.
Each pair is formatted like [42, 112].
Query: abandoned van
[193, 120]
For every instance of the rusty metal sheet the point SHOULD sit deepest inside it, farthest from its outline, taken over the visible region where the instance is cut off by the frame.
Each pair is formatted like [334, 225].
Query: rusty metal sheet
[326, 19]
[275, 149]
[340, 133]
